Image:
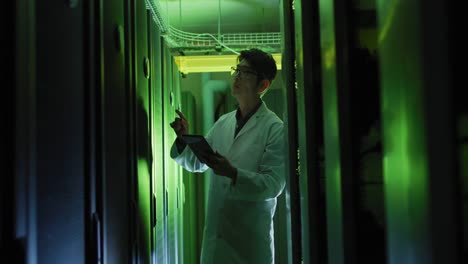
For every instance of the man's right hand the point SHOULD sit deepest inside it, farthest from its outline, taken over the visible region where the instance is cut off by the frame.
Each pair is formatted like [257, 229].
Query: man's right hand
[180, 125]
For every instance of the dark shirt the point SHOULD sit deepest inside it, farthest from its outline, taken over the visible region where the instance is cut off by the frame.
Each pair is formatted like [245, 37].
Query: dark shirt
[243, 121]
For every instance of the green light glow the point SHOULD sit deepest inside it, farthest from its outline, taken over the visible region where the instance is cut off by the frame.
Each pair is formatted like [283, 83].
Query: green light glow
[331, 134]
[158, 184]
[144, 195]
[329, 56]
[404, 139]
[391, 6]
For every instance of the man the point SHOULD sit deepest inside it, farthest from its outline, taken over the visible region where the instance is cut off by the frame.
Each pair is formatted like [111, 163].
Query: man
[248, 166]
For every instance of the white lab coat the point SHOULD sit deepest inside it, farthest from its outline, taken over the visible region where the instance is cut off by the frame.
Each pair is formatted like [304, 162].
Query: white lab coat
[239, 220]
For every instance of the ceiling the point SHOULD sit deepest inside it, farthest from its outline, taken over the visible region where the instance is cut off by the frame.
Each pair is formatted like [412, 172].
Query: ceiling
[224, 26]
[222, 16]
[230, 16]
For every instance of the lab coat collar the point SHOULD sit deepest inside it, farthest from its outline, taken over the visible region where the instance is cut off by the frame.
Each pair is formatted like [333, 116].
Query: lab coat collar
[253, 120]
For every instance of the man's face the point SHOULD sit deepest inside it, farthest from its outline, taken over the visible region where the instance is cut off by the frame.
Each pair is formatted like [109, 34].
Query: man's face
[244, 81]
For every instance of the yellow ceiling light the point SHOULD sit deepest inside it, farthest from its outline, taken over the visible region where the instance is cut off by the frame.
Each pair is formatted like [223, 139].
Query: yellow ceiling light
[212, 63]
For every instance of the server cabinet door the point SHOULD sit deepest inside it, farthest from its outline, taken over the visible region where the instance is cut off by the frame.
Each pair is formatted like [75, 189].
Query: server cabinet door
[18, 221]
[116, 205]
[336, 174]
[171, 169]
[179, 191]
[293, 216]
[168, 166]
[308, 96]
[420, 180]
[141, 64]
[190, 202]
[58, 229]
[158, 122]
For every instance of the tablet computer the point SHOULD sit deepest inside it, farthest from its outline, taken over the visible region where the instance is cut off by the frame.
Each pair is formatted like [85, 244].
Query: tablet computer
[199, 145]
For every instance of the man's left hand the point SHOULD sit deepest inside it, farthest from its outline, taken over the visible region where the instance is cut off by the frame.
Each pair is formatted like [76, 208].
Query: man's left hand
[221, 166]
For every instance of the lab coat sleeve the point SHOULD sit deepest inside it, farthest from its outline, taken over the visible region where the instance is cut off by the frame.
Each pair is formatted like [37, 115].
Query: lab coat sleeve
[269, 181]
[187, 158]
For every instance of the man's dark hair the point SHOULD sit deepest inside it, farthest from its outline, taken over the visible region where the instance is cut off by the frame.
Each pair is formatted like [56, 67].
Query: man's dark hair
[262, 62]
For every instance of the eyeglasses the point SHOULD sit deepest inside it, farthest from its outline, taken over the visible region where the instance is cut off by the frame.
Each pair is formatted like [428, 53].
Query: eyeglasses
[241, 72]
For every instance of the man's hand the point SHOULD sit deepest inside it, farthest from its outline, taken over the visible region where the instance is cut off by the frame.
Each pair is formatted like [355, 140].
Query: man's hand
[221, 166]
[180, 125]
